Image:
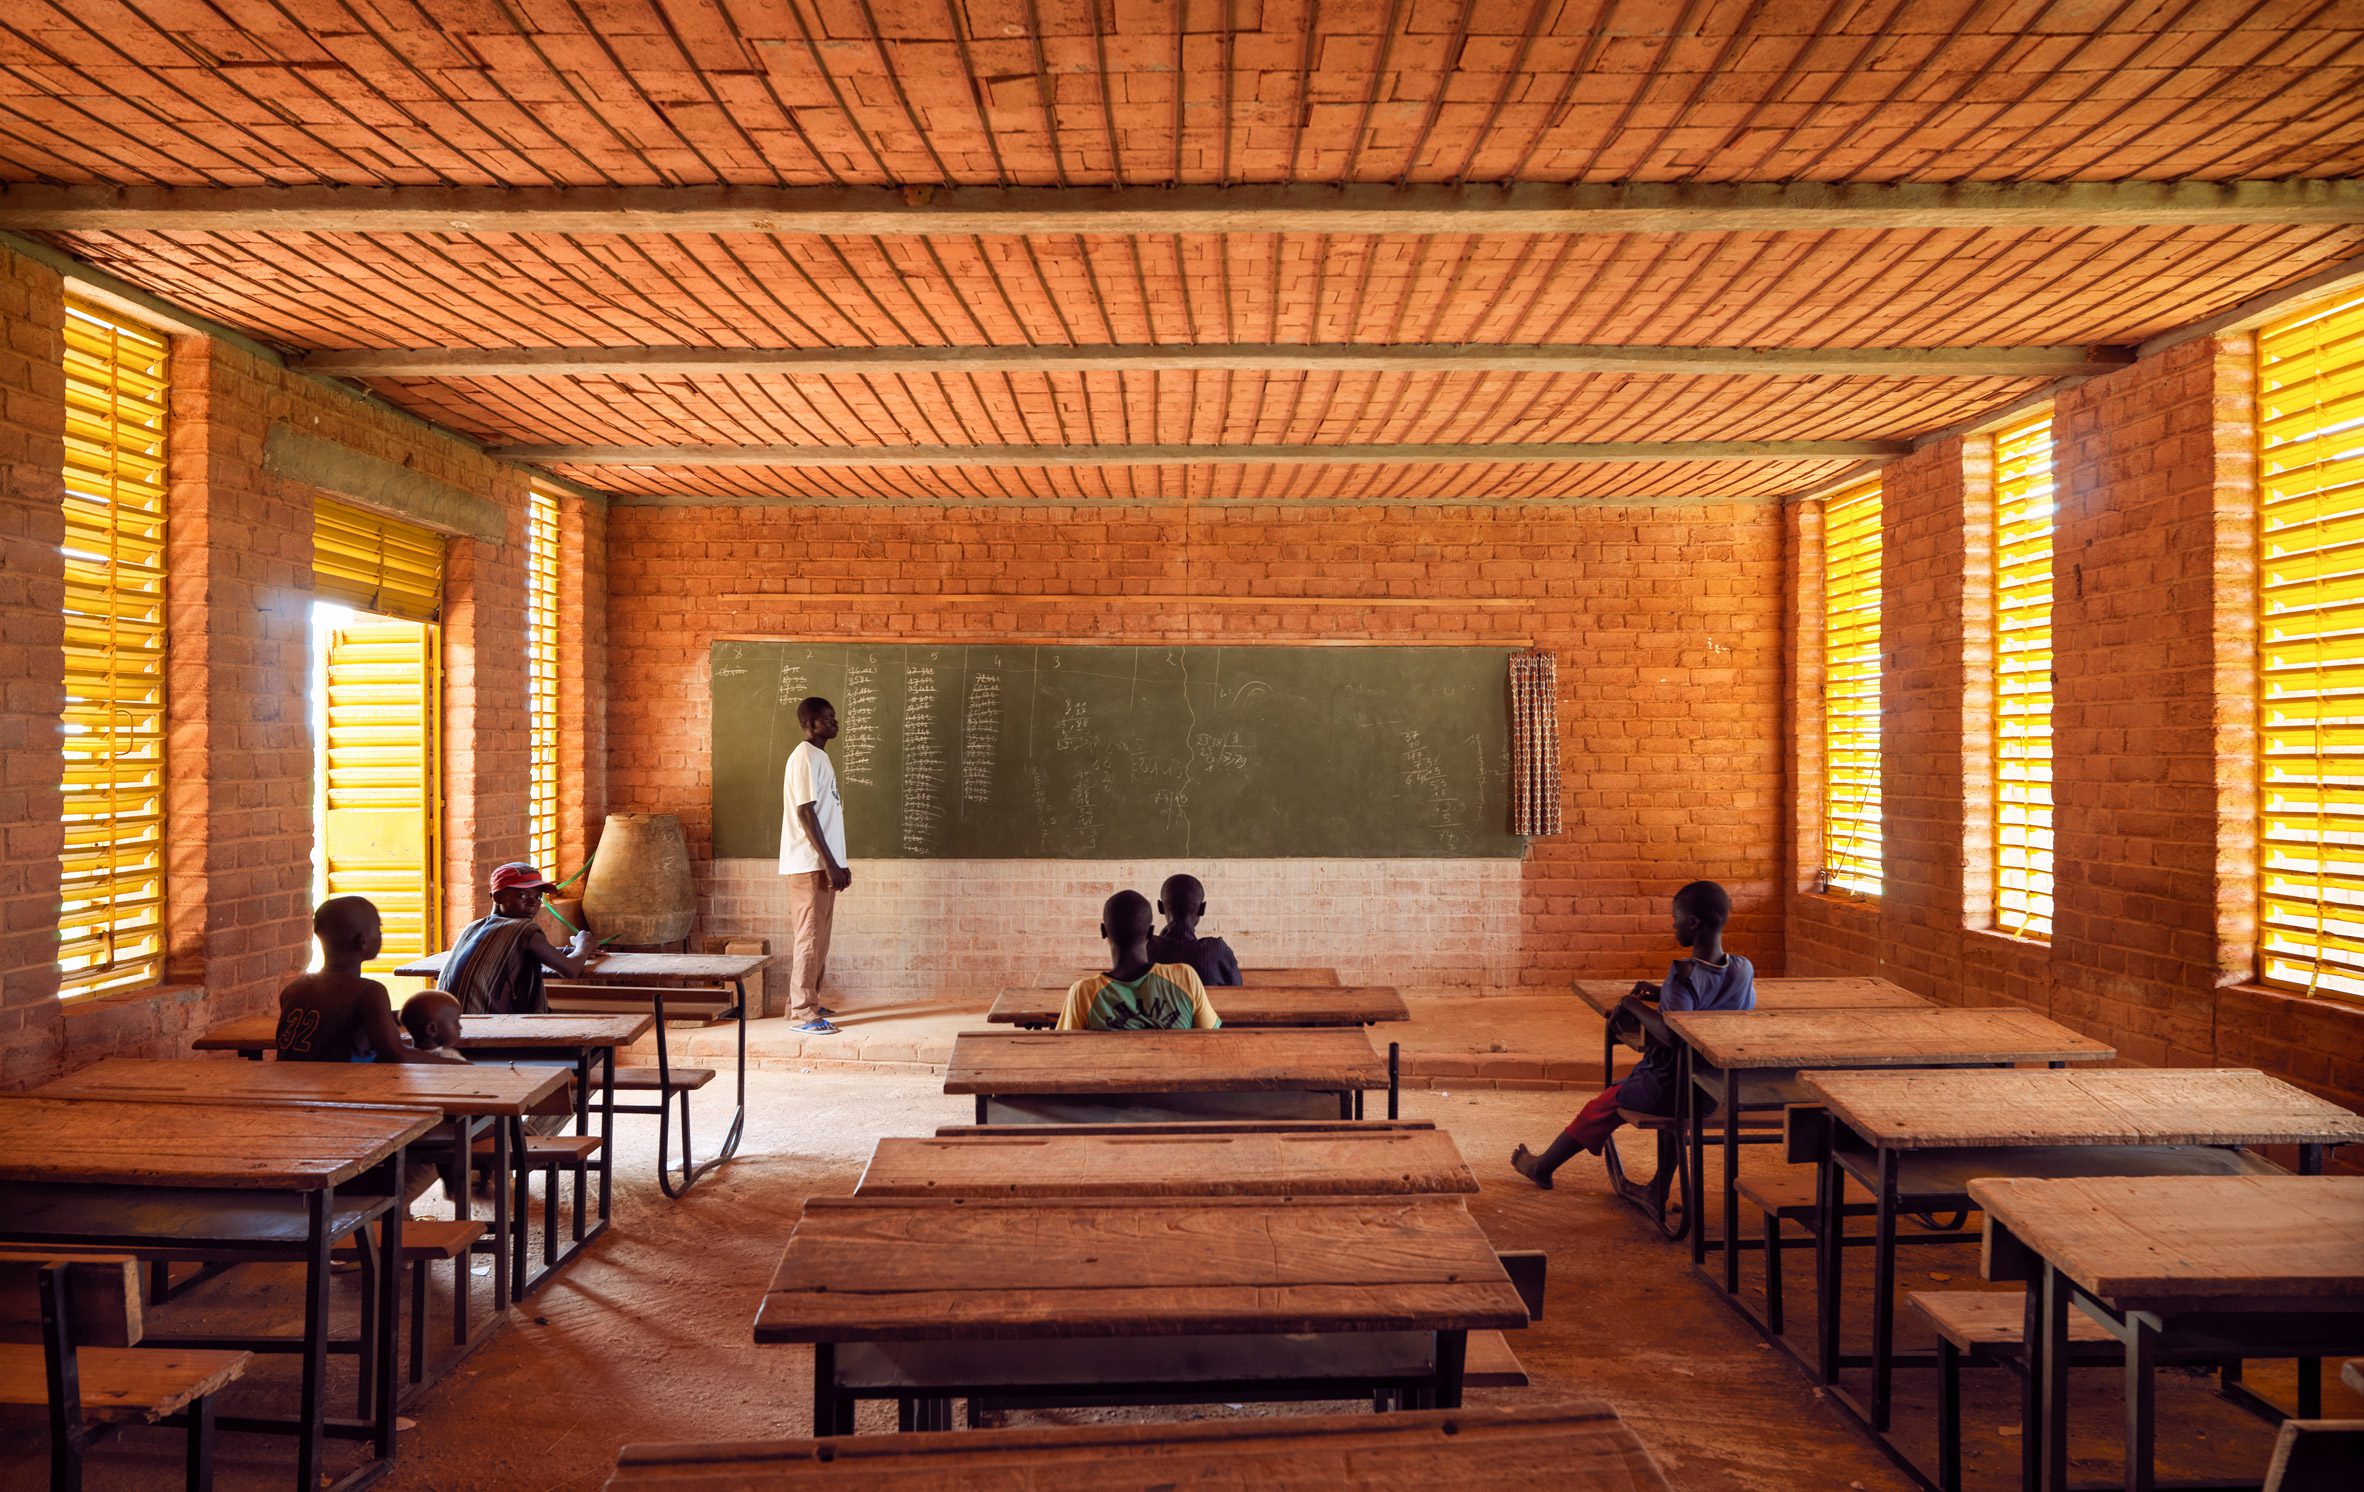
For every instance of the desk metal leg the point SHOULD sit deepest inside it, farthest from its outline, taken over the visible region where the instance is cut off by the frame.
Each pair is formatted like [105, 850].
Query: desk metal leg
[1731, 1182]
[2142, 1353]
[389, 1316]
[1830, 1264]
[2031, 1389]
[315, 1371]
[1452, 1352]
[2052, 1341]
[517, 1180]
[607, 1133]
[824, 1389]
[1884, 1293]
[1608, 1052]
[503, 1221]
[1695, 1184]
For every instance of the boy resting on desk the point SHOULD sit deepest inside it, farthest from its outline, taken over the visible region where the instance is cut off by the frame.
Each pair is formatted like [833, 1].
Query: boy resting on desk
[336, 1015]
[1184, 901]
[1136, 994]
[1710, 979]
[496, 965]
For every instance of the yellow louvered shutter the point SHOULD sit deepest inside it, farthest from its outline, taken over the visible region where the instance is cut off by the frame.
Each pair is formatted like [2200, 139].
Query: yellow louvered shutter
[382, 800]
[541, 639]
[111, 912]
[2023, 677]
[1851, 690]
[2310, 393]
[376, 564]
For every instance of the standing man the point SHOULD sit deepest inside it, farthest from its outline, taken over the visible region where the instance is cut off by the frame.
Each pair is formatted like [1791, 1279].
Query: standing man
[812, 857]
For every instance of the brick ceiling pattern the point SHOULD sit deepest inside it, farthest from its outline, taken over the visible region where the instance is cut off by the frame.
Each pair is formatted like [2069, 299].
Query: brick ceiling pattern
[1100, 93]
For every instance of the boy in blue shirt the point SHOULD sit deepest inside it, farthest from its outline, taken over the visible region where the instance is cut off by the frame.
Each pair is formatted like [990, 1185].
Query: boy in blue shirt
[1710, 979]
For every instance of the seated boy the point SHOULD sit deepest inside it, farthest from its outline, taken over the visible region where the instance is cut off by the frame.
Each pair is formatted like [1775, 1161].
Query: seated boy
[1184, 901]
[432, 1018]
[1710, 979]
[496, 965]
[337, 1015]
[1136, 994]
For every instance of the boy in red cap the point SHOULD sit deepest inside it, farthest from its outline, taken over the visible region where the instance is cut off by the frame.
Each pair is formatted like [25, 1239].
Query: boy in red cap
[496, 965]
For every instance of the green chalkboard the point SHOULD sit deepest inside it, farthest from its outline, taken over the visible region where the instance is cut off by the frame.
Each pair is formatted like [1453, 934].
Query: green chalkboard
[1103, 753]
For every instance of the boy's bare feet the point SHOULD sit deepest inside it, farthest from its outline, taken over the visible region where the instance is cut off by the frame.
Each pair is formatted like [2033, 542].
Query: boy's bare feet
[1525, 1162]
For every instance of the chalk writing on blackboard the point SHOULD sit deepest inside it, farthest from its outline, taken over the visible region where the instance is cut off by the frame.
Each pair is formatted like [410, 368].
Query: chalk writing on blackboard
[923, 761]
[980, 739]
[857, 719]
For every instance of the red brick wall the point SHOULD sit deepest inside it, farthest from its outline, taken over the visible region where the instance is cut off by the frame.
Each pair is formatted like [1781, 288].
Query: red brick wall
[2154, 737]
[1665, 621]
[32, 636]
[239, 752]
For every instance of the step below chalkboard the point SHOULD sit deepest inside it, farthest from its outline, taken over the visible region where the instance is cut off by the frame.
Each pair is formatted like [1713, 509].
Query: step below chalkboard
[1107, 753]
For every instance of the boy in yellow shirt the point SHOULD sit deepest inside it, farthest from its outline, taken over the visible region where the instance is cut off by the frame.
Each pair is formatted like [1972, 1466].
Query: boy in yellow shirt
[1135, 994]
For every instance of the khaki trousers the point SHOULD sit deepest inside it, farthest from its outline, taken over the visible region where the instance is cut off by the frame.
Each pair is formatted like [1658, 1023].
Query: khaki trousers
[812, 903]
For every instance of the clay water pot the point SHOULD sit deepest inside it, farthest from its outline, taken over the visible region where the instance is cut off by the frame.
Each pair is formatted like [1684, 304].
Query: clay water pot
[639, 891]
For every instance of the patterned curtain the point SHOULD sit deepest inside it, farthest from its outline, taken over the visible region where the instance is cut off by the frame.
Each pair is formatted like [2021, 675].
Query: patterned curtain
[1534, 744]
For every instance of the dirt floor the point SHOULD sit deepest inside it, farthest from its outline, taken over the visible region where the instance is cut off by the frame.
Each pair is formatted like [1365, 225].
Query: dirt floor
[646, 1338]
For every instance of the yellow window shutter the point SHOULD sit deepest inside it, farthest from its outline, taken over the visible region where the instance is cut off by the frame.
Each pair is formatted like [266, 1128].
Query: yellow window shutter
[2310, 416]
[373, 563]
[1851, 689]
[380, 826]
[541, 638]
[2023, 677]
[111, 911]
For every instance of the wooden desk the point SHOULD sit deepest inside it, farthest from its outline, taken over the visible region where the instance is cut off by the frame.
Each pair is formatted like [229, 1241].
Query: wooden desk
[1575, 1447]
[1915, 1139]
[1243, 1007]
[1770, 1046]
[1069, 1276]
[653, 980]
[1198, 1161]
[227, 1184]
[1031, 1076]
[1285, 976]
[2274, 1264]
[586, 1043]
[466, 1091]
[1603, 996]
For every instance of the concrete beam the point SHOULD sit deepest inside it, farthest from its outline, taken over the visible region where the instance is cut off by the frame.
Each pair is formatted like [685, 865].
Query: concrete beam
[341, 471]
[1204, 455]
[568, 362]
[1652, 207]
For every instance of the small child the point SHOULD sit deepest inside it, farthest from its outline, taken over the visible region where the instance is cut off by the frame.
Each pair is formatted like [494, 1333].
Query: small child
[336, 1015]
[432, 1017]
[1710, 979]
[1136, 994]
[1184, 901]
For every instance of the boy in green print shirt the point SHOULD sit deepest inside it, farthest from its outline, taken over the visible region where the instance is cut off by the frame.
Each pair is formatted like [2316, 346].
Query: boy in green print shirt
[1135, 994]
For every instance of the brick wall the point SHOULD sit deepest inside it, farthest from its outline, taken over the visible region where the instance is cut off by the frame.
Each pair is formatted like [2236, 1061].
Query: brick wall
[2154, 737]
[239, 752]
[1665, 622]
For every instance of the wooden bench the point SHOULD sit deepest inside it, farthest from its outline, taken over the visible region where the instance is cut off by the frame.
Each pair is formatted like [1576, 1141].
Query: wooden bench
[84, 1367]
[1567, 1447]
[547, 1155]
[2318, 1455]
[425, 1241]
[1987, 1328]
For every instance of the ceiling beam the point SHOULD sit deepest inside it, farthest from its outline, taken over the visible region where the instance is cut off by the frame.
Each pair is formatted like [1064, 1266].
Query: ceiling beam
[1204, 455]
[1648, 207]
[569, 362]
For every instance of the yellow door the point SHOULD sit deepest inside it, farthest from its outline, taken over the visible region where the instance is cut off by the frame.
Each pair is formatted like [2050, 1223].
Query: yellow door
[380, 795]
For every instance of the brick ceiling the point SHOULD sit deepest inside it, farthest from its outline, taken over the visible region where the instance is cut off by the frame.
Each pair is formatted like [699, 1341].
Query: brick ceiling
[1097, 95]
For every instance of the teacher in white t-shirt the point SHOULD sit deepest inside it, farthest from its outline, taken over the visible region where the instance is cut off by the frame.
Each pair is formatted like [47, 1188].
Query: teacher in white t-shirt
[812, 857]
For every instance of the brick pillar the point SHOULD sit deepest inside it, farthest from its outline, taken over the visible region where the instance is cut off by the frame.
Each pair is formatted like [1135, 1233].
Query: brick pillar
[32, 642]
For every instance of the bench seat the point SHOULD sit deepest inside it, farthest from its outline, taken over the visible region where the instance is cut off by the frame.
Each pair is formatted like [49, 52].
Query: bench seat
[122, 1385]
[1491, 1363]
[1981, 1323]
[2317, 1455]
[650, 1079]
[426, 1240]
[544, 1151]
